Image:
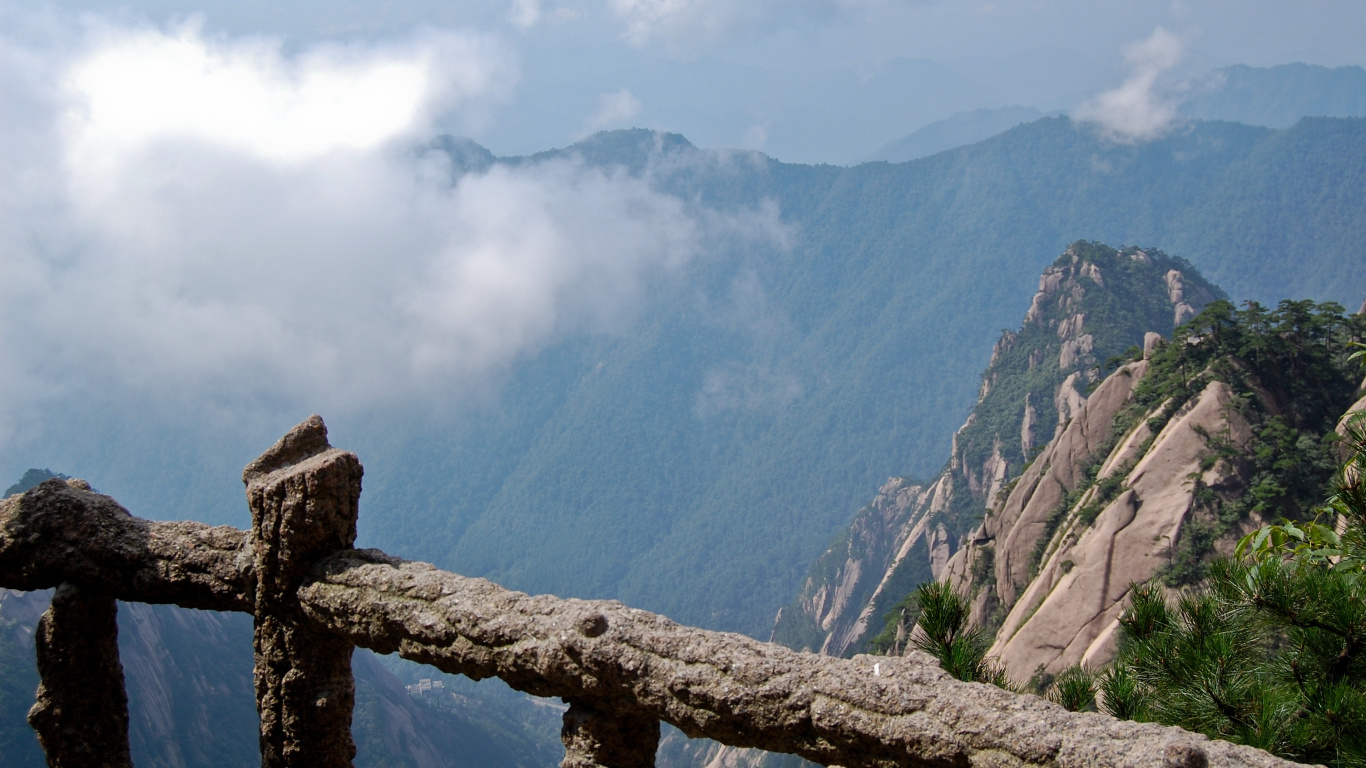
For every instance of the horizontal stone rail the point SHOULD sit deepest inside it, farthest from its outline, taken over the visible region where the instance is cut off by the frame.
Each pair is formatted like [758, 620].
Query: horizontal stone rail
[63, 532]
[621, 670]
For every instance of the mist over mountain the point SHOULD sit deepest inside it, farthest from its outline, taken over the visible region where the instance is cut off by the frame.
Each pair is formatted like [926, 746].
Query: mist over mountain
[737, 424]
[697, 458]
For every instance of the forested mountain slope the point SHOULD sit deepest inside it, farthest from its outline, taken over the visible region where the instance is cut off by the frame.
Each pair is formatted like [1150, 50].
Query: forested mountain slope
[699, 464]
[697, 459]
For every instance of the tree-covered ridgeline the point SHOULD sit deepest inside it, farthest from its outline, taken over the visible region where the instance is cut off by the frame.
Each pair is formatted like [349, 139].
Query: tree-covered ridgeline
[1292, 375]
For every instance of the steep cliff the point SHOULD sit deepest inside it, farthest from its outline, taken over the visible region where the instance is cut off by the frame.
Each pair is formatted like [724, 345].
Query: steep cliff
[1093, 303]
[1167, 463]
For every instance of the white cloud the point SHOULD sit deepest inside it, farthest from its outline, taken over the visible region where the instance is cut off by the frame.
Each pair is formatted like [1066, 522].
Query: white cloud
[1137, 110]
[525, 14]
[253, 227]
[689, 23]
[615, 110]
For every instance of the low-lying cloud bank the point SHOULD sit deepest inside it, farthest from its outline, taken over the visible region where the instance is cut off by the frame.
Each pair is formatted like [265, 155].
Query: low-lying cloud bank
[185, 213]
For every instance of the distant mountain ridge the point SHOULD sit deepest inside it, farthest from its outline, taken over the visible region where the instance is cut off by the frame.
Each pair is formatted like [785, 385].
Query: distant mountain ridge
[1274, 97]
[954, 131]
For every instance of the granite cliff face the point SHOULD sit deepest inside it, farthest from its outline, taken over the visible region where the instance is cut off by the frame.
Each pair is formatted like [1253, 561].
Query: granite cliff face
[1093, 303]
[1056, 558]
[1166, 464]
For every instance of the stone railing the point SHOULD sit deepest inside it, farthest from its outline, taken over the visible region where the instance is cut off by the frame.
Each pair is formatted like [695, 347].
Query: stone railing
[622, 671]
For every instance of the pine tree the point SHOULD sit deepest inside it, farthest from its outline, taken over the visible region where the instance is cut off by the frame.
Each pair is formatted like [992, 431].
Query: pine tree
[944, 633]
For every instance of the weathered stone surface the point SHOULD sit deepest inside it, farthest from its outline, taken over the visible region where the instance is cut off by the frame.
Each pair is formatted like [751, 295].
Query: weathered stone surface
[1070, 610]
[61, 531]
[866, 711]
[82, 711]
[1021, 519]
[596, 739]
[304, 497]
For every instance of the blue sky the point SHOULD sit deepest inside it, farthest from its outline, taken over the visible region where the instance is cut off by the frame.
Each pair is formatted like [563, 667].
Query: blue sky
[758, 73]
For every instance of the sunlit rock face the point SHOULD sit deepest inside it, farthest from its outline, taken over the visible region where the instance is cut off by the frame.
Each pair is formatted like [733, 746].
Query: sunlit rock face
[1043, 383]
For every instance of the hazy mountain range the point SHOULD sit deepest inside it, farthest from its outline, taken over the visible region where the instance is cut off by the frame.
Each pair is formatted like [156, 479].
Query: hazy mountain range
[696, 458]
[1274, 97]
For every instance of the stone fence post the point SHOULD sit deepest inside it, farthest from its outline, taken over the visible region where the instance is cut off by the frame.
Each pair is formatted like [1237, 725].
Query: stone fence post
[596, 739]
[81, 716]
[304, 497]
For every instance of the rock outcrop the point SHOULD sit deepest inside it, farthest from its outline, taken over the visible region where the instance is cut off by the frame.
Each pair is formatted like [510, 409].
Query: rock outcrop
[1062, 570]
[1169, 462]
[1094, 302]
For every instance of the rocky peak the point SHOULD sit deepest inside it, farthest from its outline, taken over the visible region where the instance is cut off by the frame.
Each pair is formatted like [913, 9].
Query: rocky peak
[1092, 303]
[1151, 476]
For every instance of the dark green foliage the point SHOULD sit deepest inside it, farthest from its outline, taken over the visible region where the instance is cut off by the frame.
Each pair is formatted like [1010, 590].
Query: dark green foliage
[1050, 529]
[1294, 356]
[943, 632]
[1188, 563]
[796, 630]
[1074, 690]
[31, 479]
[1105, 492]
[984, 565]
[896, 604]
[1271, 653]
[898, 623]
